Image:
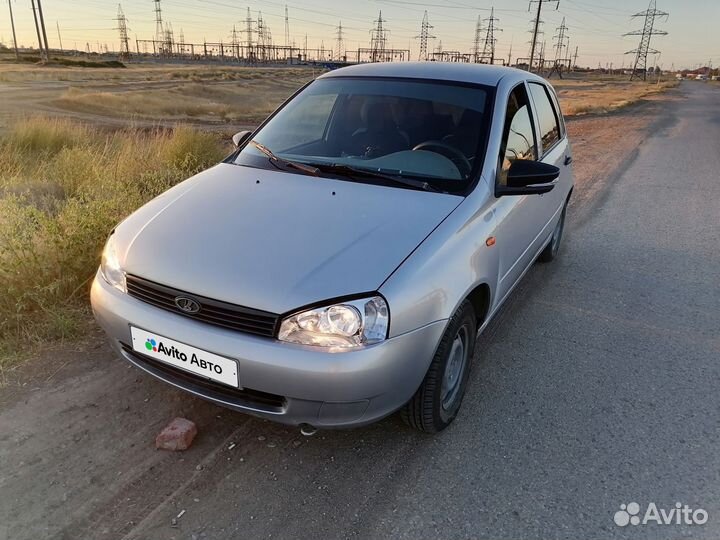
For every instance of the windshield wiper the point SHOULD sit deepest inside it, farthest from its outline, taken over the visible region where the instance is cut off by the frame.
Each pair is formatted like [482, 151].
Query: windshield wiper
[349, 170]
[286, 163]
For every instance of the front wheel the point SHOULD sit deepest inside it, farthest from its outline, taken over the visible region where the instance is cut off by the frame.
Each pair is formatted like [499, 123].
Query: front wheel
[551, 250]
[437, 401]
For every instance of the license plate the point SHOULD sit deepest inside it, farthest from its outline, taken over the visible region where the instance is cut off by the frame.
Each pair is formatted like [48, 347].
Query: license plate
[186, 357]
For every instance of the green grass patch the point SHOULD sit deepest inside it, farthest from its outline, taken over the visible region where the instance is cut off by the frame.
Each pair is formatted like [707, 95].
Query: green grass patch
[63, 187]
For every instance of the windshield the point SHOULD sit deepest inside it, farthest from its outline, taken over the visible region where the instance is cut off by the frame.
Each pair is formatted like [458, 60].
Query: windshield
[430, 131]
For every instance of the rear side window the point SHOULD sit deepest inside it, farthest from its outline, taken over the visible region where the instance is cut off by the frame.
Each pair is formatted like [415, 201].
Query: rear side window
[546, 115]
[518, 134]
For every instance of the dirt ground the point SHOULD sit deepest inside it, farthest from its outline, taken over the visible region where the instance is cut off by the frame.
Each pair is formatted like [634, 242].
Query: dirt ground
[219, 98]
[212, 98]
[77, 451]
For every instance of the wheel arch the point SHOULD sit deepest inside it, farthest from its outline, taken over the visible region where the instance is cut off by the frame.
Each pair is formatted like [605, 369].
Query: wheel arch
[480, 298]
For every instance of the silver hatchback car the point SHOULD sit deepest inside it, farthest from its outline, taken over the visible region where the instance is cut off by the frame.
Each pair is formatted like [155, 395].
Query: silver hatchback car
[338, 266]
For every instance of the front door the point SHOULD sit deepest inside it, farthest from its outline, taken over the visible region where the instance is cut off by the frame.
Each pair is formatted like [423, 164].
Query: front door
[519, 217]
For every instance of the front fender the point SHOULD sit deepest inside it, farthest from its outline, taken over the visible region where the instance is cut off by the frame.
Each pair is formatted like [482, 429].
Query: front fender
[430, 285]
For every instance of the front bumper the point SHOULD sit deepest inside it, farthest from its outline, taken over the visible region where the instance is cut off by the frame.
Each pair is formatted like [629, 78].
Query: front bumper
[284, 382]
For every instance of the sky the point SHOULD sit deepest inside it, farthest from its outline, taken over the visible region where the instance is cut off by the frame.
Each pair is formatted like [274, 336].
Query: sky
[595, 27]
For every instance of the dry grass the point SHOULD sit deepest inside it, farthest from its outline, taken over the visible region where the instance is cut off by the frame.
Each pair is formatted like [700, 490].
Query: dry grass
[588, 96]
[207, 96]
[63, 187]
[197, 101]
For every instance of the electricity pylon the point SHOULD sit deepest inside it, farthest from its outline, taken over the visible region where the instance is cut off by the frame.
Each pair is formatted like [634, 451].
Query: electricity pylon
[488, 52]
[378, 40]
[478, 39]
[340, 42]
[425, 28]
[647, 32]
[123, 30]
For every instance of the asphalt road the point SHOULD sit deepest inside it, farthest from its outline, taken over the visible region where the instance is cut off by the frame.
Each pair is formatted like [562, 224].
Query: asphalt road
[596, 386]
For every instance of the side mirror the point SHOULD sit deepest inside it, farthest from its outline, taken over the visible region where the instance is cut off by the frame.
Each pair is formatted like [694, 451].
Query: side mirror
[527, 177]
[240, 137]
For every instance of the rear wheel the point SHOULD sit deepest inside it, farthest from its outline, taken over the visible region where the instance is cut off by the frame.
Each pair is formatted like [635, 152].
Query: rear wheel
[551, 250]
[437, 401]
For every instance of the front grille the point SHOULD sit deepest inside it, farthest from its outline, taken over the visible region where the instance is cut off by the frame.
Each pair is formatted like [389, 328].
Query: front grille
[245, 397]
[213, 312]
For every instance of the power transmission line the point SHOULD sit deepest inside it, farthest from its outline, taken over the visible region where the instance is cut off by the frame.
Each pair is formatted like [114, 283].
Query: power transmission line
[535, 29]
[425, 28]
[647, 32]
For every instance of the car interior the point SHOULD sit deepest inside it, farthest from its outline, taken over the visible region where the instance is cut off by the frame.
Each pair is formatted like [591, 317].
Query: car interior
[391, 131]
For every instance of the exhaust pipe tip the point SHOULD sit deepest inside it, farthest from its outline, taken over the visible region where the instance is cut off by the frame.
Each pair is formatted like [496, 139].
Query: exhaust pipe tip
[308, 430]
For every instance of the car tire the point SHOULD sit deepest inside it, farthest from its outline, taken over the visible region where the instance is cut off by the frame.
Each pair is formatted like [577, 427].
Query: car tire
[437, 401]
[551, 250]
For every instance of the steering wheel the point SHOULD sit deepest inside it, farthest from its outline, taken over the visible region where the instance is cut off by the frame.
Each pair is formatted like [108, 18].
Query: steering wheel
[450, 152]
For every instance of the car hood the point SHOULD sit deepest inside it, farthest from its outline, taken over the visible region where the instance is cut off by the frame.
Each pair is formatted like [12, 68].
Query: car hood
[276, 241]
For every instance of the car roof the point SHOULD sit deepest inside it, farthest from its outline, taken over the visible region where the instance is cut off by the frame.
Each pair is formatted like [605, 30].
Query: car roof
[445, 71]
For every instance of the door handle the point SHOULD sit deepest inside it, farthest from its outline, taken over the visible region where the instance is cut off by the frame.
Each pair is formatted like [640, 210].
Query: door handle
[568, 160]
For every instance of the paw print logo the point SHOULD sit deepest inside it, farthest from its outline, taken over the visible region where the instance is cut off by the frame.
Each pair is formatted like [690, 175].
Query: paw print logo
[627, 514]
[151, 345]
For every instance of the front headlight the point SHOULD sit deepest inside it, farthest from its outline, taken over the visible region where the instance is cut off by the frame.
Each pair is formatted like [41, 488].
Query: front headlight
[344, 325]
[110, 266]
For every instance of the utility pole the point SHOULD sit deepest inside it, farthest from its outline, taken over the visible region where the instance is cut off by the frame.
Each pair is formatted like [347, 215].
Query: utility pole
[510, 53]
[12, 23]
[287, 27]
[490, 40]
[43, 53]
[425, 28]
[536, 25]
[647, 32]
[477, 40]
[59, 37]
[340, 42]
[42, 26]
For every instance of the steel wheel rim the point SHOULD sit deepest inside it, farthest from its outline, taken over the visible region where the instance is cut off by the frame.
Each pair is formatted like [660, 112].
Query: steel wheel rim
[454, 368]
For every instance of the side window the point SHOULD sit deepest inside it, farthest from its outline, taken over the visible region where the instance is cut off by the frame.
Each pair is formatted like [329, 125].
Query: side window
[547, 117]
[518, 134]
[308, 121]
[558, 111]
